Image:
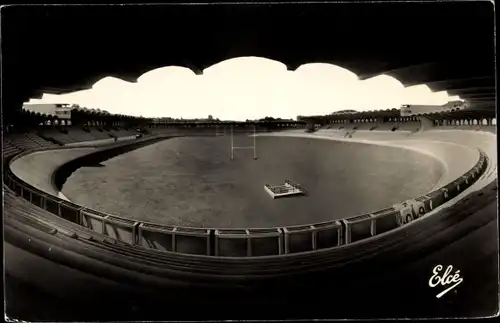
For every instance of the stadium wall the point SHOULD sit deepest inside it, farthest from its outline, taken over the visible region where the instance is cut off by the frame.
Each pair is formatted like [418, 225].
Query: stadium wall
[93, 142]
[245, 242]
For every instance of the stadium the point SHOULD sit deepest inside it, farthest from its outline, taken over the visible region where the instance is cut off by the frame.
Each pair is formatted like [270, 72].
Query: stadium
[346, 215]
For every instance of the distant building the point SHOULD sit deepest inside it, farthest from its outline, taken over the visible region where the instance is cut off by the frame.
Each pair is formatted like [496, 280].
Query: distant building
[344, 112]
[408, 110]
[60, 110]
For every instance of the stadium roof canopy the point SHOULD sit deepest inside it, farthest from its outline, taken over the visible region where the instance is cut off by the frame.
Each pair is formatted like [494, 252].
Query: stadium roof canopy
[57, 49]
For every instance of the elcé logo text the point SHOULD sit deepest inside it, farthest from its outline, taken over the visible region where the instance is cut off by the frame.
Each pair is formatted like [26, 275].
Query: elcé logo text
[445, 278]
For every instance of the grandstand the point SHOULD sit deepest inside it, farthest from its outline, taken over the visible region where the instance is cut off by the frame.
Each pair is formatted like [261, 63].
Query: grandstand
[33, 201]
[357, 125]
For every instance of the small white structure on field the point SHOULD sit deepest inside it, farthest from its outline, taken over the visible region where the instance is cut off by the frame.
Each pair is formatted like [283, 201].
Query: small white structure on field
[287, 189]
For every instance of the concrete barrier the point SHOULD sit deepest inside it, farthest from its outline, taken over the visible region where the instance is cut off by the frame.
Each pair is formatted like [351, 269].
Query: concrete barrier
[265, 242]
[8, 181]
[327, 234]
[70, 211]
[384, 220]
[467, 180]
[38, 199]
[247, 242]
[98, 142]
[426, 201]
[92, 220]
[437, 198]
[52, 205]
[121, 229]
[474, 173]
[358, 228]
[26, 194]
[192, 241]
[406, 214]
[452, 189]
[298, 238]
[18, 188]
[157, 237]
[232, 243]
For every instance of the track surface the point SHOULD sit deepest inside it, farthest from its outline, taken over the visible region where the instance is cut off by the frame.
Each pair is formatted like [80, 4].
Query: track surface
[192, 182]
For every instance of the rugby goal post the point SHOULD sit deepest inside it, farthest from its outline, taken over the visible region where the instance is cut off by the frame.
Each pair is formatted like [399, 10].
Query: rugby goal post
[254, 146]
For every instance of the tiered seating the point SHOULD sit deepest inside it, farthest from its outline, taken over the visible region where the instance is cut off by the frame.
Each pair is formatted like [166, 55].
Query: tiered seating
[409, 126]
[22, 142]
[373, 126]
[39, 140]
[122, 133]
[364, 126]
[98, 134]
[387, 126]
[380, 135]
[19, 142]
[491, 129]
[162, 131]
[58, 136]
[79, 135]
[9, 149]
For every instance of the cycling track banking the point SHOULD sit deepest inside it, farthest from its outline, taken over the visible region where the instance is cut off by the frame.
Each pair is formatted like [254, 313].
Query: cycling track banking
[328, 284]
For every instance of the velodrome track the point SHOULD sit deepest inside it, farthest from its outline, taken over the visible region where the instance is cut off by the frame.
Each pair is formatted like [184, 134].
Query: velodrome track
[329, 285]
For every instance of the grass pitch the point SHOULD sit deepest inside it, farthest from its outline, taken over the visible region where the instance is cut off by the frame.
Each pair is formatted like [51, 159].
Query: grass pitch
[191, 181]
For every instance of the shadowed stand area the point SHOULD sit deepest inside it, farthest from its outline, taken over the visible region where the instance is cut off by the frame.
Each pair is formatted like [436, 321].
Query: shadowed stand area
[387, 283]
